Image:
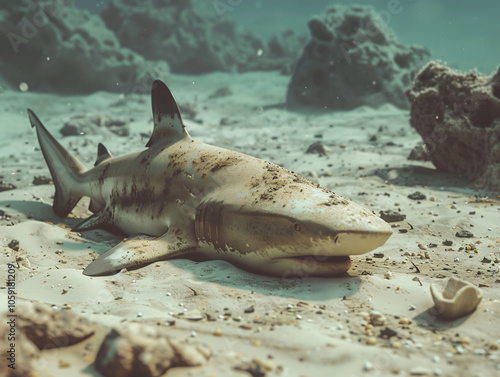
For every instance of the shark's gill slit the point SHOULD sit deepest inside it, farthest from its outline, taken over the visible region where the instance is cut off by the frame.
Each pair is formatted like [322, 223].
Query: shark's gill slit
[207, 222]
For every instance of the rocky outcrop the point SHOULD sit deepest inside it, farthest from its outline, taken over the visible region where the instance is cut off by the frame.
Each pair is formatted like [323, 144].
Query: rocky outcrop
[49, 328]
[458, 117]
[194, 39]
[353, 59]
[139, 350]
[54, 46]
[20, 357]
[132, 349]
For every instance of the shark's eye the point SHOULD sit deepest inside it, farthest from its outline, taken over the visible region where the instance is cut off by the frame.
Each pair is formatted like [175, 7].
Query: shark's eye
[297, 227]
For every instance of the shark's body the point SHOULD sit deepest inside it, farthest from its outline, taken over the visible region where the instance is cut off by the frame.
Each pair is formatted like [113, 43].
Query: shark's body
[180, 196]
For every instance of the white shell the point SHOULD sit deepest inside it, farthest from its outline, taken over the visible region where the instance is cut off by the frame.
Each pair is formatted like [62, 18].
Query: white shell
[458, 298]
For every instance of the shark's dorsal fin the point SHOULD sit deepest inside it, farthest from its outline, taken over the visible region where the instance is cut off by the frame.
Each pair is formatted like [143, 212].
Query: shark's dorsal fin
[168, 127]
[102, 154]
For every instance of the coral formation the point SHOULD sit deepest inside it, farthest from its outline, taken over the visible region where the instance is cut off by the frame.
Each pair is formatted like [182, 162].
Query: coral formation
[353, 59]
[57, 47]
[458, 117]
[193, 39]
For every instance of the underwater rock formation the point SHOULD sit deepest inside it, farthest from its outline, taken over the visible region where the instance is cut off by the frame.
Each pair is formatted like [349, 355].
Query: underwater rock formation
[458, 117]
[353, 59]
[49, 328]
[194, 39]
[139, 350]
[57, 47]
[20, 349]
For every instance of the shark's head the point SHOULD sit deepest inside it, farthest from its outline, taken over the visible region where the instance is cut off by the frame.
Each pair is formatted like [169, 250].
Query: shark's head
[304, 230]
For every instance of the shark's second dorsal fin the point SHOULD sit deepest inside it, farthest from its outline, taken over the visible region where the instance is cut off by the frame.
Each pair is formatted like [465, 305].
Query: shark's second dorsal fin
[168, 127]
[102, 154]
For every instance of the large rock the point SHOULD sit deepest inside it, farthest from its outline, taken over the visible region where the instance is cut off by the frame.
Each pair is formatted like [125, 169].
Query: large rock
[140, 350]
[458, 116]
[194, 39]
[53, 46]
[353, 59]
[50, 328]
[20, 357]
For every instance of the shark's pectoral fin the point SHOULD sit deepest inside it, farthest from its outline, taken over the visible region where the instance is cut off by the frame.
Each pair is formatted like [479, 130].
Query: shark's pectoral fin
[98, 219]
[141, 249]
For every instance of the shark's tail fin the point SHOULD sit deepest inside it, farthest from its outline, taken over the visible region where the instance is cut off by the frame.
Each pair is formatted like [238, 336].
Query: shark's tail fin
[64, 168]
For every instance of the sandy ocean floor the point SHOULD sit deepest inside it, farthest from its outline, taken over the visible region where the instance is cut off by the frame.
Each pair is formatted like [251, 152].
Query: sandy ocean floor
[301, 327]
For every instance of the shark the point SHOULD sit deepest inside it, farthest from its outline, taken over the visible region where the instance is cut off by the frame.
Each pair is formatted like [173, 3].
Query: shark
[182, 196]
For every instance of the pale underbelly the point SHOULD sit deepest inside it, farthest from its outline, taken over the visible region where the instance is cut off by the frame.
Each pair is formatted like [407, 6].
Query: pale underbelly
[132, 220]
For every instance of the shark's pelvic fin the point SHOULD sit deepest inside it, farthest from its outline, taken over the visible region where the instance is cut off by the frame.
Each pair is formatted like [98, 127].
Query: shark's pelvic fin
[64, 168]
[168, 125]
[141, 249]
[102, 154]
[98, 219]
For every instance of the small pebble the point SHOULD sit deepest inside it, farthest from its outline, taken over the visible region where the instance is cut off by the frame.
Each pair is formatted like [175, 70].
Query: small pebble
[464, 234]
[392, 216]
[371, 341]
[417, 195]
[14, 245]
[139, 314]
[218, 332]
[368, 366]
[404, 321]
[193, 334]
[420, 371]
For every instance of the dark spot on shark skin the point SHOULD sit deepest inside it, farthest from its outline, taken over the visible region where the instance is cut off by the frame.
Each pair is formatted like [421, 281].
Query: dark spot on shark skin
[103, 174]
[220, 165]
[145, 161]
[164, 195]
